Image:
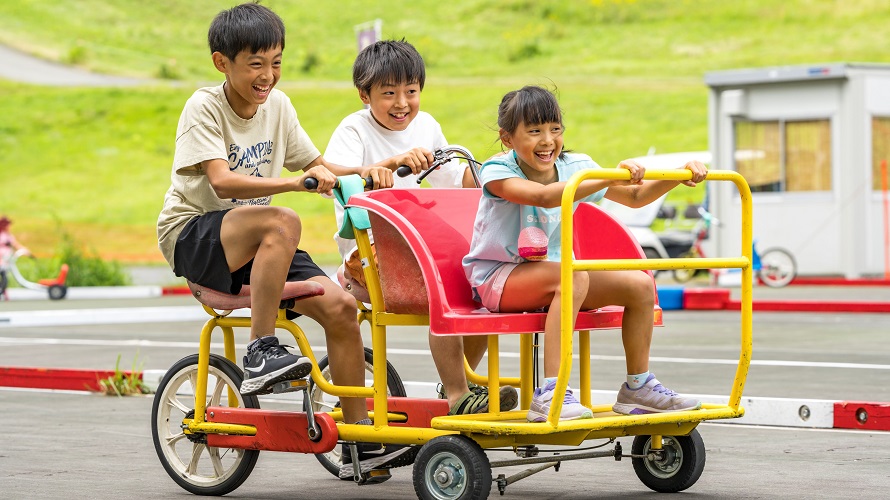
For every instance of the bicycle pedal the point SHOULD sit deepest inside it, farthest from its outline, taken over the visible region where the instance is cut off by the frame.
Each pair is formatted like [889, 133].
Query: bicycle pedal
[375, 476]
[290, 386]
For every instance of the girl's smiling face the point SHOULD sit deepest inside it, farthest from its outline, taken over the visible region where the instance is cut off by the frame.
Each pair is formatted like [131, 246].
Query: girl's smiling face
[536, 146]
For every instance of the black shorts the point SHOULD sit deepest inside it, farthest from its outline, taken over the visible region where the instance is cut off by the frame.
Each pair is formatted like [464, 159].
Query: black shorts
[199, 257]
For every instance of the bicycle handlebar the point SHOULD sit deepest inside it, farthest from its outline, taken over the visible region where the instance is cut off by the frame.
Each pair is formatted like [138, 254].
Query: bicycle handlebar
[311, 183]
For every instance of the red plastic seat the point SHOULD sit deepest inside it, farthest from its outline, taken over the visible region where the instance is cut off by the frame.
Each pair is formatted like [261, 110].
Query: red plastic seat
[421, 236]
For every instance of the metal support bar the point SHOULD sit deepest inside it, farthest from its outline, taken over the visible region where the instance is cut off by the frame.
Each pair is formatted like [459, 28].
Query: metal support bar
[551, 458]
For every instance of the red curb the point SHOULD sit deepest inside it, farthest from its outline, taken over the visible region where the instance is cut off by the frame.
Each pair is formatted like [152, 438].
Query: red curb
[175, 290]
[54, 378]
[862, 415]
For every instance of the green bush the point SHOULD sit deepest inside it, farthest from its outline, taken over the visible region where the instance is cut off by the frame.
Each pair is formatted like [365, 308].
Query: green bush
[84, 269]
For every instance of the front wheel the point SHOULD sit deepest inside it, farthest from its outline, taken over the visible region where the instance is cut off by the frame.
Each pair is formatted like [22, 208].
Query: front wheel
[679, 466]
[777, 267]
[323, 402]
[452, 468]
[193, 465]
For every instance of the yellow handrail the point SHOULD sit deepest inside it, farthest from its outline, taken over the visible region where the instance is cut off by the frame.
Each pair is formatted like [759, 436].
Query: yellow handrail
[568, 265]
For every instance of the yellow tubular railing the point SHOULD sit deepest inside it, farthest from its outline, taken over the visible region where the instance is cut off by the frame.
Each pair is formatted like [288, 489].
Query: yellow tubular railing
[568, 265]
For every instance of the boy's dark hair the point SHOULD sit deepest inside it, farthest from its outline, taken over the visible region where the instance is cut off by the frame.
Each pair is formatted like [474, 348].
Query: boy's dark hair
[246, 26]
[388, 62]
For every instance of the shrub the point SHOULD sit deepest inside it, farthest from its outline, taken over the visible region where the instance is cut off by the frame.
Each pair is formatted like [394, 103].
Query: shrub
[123, 384]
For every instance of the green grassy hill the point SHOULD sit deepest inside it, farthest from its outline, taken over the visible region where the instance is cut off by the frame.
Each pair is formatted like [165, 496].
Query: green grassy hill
[95, 162]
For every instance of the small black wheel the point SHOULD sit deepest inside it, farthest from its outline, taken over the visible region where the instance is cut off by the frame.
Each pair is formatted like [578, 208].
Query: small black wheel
[452, 468]
[4, 282]
[196, 467]
[323, 402]
[684, 275]
[680, 466]
[777, 267]
[57, 292]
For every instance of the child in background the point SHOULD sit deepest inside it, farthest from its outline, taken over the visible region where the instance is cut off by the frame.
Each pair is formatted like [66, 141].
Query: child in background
[520, 208]
[8, 244]
[391, 132]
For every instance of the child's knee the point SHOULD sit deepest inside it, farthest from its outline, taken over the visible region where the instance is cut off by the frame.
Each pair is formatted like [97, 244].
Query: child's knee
[285, 224]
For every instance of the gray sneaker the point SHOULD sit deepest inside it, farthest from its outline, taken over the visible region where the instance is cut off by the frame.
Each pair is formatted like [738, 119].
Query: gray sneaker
[572, 409]
[652, 397]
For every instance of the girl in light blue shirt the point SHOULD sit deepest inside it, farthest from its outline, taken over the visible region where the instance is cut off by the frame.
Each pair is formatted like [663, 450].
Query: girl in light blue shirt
[513, 264]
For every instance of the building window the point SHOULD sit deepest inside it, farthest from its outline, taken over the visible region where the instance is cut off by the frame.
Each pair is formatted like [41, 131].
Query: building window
[880, 150]
[780, 155]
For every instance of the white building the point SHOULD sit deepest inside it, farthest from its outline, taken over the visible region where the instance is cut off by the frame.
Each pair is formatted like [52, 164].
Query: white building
[810, 141]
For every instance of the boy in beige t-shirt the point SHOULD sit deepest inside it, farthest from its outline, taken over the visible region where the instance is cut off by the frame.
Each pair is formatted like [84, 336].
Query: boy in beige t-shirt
[217, 228]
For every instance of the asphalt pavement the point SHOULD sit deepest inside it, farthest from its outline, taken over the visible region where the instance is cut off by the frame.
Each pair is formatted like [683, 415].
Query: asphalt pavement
[82, 445]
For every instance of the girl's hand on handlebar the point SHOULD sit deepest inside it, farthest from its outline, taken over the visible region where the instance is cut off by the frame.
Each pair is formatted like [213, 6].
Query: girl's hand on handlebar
[321, 177]
[382, 177]
[699, 172]
[636, 172]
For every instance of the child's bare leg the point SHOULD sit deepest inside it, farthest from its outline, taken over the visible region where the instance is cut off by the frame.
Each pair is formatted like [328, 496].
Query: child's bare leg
[634, 291]
[448, 353]
[535, 285]
[336, 312]
[474, 348]
[269, 236]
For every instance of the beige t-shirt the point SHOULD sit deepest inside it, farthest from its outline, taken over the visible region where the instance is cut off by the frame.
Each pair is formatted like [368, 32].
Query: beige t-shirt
[209, 129]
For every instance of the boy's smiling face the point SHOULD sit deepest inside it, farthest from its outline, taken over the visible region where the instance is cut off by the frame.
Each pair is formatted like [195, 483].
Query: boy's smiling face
[393, 106]
[250, 78]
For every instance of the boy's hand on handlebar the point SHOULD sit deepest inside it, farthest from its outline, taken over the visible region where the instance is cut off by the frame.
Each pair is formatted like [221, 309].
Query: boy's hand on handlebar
[636, 172]
[699, 172]
[325, 178]
[418, 160]
[382, 177]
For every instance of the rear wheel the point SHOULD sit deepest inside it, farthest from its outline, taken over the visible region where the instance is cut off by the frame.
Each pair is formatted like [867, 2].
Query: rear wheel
[777, 267]
[4, 282]
[57, 292]
[323, 402]
[678, 467]
[193, 465]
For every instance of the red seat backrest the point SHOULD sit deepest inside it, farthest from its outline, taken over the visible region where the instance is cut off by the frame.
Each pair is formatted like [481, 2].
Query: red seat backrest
[422, 235]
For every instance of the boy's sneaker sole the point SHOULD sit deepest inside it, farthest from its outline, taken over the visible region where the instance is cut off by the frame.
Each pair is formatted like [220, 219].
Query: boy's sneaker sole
[264, 383]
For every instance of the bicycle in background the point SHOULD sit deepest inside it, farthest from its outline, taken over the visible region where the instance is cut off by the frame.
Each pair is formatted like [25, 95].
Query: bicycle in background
[775, 267]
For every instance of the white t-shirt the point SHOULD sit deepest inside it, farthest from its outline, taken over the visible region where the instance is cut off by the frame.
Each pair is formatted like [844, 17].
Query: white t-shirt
[209, 129]
[359, 141]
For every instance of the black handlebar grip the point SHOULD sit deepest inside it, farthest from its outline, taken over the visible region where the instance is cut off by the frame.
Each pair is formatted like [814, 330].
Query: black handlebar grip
[404, 171]
[311, 183]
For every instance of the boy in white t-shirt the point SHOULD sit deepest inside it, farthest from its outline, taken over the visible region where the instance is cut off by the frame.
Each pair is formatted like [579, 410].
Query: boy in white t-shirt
[393, 131]
[217, 227]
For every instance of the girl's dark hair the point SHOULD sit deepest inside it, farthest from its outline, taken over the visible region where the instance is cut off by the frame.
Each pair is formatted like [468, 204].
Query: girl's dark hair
[388, 62]
[531, 105]
[247, 26]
